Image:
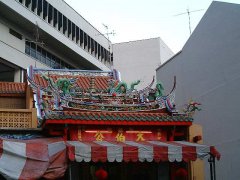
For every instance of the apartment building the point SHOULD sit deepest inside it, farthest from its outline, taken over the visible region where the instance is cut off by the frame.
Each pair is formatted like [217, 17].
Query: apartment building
[48, 34]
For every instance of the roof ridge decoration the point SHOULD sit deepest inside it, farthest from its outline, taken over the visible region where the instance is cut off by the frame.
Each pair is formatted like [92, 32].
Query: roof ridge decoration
[192, 107]
[65, 92]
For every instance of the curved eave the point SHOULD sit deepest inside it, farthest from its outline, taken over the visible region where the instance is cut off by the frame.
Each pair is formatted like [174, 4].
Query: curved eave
[114, 122]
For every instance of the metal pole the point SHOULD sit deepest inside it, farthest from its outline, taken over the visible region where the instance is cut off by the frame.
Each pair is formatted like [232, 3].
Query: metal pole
[211, 161]
[214, 168]
[70, 171]
[211, 168]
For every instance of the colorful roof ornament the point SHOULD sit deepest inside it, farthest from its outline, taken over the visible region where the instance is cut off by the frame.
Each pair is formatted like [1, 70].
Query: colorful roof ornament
[57, 91]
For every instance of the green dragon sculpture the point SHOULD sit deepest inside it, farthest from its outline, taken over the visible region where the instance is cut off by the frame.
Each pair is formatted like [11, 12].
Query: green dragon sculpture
[123, 88]
[63, 84]
[159, 90]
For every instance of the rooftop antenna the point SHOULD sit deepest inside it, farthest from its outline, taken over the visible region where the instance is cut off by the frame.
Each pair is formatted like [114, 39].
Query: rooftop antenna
[107, 35]
[107, 31]
[36, 35]
[189, 17]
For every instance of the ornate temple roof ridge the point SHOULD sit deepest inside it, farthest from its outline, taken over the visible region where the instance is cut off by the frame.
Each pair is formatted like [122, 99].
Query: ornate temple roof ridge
[63, 93]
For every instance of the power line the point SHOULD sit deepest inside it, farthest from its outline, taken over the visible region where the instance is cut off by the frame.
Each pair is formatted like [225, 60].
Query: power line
[189, 17]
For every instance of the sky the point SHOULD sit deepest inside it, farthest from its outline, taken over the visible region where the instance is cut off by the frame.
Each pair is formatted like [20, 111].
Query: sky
[133, 20]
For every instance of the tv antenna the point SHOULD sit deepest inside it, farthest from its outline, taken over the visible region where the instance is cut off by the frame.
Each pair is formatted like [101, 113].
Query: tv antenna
[108, 32]
[107, 35]
[36, 36]
[189, 17]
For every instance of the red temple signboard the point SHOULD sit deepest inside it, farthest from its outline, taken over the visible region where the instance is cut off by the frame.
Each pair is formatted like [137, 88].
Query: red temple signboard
[117, 135]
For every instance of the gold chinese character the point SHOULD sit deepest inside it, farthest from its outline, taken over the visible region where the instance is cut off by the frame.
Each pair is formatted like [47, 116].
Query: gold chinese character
[140, 137]
[159, 135]
[120, 137]
[99, 136]
[79, 135]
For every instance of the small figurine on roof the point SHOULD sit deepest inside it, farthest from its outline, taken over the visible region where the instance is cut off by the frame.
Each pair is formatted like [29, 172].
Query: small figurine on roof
[192, 107]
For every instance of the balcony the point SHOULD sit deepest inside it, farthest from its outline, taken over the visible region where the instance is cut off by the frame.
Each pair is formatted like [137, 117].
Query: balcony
[16, 107]
[18, 118]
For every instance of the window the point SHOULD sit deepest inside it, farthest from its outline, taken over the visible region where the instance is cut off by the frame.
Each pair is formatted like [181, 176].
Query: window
[64, 24]
[77, 34]
[39, 7]
[92, 45]
[111, 57]
[59, 21]
[55, 17]
[69, 28]
[56, 64]
[27, 3]
[89, 43]
[96, 48]
[85, 40]
[27, 47]
[45, 9]
[81, 37]
[15, 33]
[73, 31]
[99, 51]
[39, 53]
[20, 1]
[63, 65]
[44, 54]
[34, 5]
[48, 59]
[50, 14]
[103, 52]
[33, 50]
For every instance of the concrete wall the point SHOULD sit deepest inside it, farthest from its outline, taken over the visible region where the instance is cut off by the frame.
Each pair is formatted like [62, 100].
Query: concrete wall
[137, 60]
[10, 39]
[208, 71]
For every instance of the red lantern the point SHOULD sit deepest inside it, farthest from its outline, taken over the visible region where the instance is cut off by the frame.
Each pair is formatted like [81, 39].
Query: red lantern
[101, 174]
[181, 174]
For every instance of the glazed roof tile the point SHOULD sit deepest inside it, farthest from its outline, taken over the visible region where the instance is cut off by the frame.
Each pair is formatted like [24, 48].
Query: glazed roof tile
[120, 116]
[12, 88]
[101, 82]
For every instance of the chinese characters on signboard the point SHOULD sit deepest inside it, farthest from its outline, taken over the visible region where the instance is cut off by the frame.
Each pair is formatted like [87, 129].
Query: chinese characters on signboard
[117, 135]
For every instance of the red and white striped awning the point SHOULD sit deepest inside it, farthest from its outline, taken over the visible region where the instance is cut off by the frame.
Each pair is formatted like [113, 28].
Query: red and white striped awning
[138, 151]
[47, 157]
[33, 159]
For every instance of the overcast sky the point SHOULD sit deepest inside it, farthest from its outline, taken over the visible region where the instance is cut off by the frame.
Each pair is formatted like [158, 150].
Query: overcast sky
[144, 19]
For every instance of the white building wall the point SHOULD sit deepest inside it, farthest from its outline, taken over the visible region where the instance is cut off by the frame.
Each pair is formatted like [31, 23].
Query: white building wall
[74, 17]
[208, 71]
[137, 60]
[10, 39]
[165, 51]
[18, 58]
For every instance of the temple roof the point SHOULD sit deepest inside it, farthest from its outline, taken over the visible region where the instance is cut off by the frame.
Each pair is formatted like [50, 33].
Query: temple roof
[118, 118]
[96, 97]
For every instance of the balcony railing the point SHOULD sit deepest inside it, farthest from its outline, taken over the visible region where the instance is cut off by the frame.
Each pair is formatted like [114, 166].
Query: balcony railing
[18, 118]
